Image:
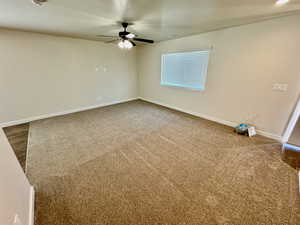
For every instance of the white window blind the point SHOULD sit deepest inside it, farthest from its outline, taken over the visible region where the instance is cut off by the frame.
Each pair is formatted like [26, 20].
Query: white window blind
[188, 70]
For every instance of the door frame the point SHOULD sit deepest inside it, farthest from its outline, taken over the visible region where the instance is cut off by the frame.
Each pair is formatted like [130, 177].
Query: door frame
[292, 123]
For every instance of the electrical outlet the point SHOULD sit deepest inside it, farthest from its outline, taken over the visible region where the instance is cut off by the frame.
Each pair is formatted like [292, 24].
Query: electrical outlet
[101, 68]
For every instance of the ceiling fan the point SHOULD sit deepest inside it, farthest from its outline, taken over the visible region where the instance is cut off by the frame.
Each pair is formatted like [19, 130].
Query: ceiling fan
[126, 38]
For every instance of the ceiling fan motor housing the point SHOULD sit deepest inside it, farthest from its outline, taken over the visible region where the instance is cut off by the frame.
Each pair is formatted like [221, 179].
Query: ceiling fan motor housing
[123, 34]
[39, 2]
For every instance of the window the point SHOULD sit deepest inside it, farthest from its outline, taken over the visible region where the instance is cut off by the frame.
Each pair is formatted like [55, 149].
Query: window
[186, 70]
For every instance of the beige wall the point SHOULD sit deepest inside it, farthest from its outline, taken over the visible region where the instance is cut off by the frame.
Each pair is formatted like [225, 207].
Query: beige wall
[14, 186]
[42, 74]
[244, 64]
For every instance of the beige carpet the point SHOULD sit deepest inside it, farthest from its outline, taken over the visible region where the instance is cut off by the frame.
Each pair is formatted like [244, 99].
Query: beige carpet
[140, 164]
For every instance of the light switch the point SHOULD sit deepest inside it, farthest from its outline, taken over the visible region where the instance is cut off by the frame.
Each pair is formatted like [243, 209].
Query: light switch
[284, 87]
[280, 87]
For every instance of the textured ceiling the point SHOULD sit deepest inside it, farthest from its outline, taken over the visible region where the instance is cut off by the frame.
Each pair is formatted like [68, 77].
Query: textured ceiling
[155, 19]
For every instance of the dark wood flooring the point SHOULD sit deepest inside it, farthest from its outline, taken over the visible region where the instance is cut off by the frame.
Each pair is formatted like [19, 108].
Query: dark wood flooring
[291, 157]
[18, 137]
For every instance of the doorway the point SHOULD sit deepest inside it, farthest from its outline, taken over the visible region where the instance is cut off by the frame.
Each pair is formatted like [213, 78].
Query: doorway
[295, 136]
[292, 133]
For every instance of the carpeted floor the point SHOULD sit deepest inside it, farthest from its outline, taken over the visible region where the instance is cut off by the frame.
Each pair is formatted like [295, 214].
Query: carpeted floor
[141, 164]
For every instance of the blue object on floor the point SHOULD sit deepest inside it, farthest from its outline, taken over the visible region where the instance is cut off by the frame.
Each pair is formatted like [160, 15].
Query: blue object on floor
[242, 129]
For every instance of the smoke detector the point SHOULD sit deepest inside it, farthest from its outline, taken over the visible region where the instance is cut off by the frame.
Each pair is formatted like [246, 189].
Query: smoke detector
[39, 2]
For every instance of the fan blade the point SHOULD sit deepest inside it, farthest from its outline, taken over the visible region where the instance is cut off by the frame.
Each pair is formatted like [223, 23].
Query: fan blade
[134, 44]
[111, 41]
[143, 40]
[106, 36]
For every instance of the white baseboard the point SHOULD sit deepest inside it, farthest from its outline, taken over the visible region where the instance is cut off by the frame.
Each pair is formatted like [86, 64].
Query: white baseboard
[217, 120]
[31, 206]
[225, 122]
[270, 135]
[17, 122]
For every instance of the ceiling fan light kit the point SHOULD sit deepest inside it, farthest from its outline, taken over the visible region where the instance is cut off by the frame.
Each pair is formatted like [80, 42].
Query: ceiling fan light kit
[281, 2]
[125, 44]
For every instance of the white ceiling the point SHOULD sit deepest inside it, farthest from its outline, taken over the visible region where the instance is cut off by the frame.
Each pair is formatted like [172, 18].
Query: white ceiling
[154, 19]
